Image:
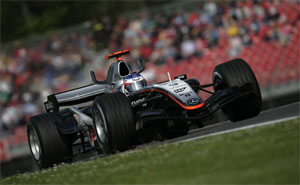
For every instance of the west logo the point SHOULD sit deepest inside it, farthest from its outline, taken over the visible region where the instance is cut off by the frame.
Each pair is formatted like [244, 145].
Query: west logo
[179, 90]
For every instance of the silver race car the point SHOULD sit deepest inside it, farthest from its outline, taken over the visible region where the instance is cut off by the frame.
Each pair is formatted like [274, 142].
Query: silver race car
[123, 111]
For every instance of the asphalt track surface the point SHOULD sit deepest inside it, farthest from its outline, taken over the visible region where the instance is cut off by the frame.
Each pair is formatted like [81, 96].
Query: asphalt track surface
[286, 111]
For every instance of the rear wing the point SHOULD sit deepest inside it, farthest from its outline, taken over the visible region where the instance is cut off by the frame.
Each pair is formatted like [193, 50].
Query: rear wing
[74, 96]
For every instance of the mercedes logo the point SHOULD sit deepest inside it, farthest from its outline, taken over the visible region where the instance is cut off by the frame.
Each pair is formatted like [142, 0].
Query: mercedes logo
[193, 101]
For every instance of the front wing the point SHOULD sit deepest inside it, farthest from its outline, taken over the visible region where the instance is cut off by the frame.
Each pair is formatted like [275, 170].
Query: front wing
[215, 102]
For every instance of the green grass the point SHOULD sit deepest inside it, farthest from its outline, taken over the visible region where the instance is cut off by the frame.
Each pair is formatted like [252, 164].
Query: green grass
[262, 155]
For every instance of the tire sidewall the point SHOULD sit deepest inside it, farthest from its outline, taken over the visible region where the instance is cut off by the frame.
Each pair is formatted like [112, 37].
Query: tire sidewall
[98, 109]
[31, 127]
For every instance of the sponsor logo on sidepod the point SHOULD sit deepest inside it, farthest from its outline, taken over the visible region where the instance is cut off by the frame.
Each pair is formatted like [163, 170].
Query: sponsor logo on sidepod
[138, 101]
[179, 90]
[187, 94]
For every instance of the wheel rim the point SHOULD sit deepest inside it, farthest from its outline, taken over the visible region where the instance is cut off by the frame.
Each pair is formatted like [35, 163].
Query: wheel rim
[34, 144]
[101, 128]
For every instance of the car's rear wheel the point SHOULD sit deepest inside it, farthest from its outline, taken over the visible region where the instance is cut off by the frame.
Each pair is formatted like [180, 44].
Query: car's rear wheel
[114, 122]
[236, 73]
[47, 145]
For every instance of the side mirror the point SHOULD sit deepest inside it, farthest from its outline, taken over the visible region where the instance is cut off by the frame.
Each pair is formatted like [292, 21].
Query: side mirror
[141, 64]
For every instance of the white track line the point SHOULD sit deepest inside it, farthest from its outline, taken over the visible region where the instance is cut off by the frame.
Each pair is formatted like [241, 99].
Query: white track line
[242, 128]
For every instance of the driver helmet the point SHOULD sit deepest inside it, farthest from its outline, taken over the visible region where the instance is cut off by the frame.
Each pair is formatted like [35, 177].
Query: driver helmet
[134, 82]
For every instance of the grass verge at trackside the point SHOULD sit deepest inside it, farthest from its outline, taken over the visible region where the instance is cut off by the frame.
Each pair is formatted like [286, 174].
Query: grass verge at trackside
[262, 155]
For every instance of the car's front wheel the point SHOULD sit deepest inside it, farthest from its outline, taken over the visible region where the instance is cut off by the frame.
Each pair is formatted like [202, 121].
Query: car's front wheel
[236, 73]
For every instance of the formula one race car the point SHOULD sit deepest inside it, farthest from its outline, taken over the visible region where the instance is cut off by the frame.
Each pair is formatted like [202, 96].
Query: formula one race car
[123, 111]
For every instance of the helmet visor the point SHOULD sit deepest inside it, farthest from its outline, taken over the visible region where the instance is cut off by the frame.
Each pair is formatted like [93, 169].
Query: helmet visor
[134, 86]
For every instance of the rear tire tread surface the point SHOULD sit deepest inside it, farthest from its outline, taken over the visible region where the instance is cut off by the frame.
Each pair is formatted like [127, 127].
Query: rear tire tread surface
[120, 120]
[54, 149]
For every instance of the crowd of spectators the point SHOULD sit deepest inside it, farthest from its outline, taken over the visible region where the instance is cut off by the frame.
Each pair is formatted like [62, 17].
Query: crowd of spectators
[169, 36]
[28, 75]
[176, 35]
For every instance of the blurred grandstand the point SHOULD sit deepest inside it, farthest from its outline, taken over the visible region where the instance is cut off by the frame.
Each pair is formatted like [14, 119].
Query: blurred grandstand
[191, 37]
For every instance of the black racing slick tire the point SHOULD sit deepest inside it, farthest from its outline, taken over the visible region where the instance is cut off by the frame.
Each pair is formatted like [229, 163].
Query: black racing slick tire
[236, 73]
[47, 145]
[114, 122]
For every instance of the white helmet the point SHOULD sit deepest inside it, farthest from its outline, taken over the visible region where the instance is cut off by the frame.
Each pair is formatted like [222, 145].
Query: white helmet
[134, 82]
